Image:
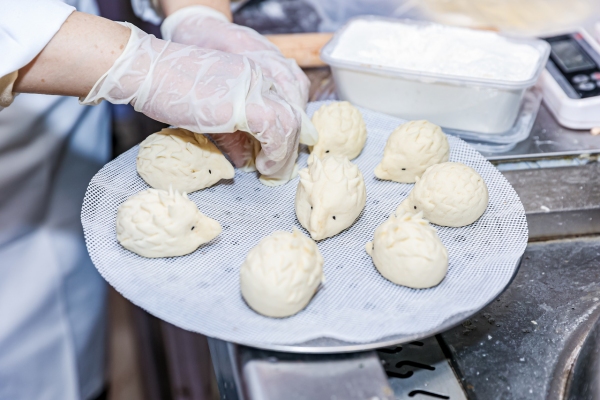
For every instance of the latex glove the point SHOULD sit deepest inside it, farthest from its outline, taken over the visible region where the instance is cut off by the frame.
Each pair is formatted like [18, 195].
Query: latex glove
[205, 27]
[243, 149]
[204, 91]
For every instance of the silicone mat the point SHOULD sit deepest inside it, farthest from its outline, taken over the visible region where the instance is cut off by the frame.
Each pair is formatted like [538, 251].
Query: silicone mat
[200, 292]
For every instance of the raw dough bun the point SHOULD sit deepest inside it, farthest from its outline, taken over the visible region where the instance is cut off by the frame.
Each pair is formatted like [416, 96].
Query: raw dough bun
[182, 160]
[330, 196]
[156, 223]
[411, 149]
[342, 130]
[448, 194]
[407, 251]
[281, 274]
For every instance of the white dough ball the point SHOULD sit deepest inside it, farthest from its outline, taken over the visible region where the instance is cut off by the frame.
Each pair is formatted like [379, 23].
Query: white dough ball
[406, 250]
[330, 196]
[342, 130]
[182, 160]
[448, 194]
[412, 148]
[156, 223]
[281, 274]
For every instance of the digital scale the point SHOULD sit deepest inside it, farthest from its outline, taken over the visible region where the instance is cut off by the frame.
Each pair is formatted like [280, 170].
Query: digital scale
[571, 81]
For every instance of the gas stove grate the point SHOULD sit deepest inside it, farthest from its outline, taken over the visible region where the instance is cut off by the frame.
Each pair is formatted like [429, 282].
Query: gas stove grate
[420, 370]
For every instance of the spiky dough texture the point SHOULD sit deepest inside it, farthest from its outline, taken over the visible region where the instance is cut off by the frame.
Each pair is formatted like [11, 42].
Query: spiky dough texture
[407, 251]
[448, 194]
[156, 223]
[342, 130]
[182, 160]
[330, 196]
[412, 148]
[281, 274]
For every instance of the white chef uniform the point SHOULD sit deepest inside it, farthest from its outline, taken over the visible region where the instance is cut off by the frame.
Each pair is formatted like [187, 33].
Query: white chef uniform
[52, 300]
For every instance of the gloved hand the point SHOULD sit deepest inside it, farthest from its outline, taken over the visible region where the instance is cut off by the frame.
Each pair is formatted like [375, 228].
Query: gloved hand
[207, 28]
[241, 148]
[205, 91]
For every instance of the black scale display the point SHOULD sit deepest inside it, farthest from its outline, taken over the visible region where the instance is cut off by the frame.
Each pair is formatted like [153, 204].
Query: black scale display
[573, 67]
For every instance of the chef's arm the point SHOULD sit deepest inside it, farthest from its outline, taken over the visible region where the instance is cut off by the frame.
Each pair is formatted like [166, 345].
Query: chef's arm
[199, 89]
[83, 49]
[170, 6]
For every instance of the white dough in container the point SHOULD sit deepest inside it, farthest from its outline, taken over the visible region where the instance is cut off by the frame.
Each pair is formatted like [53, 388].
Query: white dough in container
[457, 78]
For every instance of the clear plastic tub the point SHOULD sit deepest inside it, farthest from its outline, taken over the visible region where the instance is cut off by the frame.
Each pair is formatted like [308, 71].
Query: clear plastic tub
[487, 106]
[506, 141]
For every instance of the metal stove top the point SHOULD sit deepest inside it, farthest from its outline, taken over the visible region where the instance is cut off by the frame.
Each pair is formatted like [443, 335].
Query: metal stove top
[550, 140]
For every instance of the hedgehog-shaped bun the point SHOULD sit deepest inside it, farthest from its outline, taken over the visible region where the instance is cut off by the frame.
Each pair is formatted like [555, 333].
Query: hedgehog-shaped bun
[448, 194]
[330, 196]
[407, 251]
[411, 149]
[281, 274]
[342, 130]
[156, 223]
[182, 160]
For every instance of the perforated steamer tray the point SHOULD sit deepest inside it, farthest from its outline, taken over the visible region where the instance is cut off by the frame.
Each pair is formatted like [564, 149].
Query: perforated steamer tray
[356, 308]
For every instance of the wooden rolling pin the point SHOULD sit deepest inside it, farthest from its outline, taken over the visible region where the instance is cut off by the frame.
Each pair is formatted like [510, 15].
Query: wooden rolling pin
[302, 47]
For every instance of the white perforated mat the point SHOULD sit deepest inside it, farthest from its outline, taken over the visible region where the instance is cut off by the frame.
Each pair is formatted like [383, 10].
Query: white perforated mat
[200, 291]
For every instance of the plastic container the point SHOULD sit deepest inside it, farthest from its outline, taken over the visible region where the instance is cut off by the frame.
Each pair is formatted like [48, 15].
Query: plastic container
[506, 141]
[481, 105]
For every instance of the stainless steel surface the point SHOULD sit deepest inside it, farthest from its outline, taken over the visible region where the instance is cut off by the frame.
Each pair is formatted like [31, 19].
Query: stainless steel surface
[559, 202]
[512, 349]
[356, 376]
[399, 372]
[585, 378]
[223, 355]
[420, 369]
[245, 373]
[550, 140]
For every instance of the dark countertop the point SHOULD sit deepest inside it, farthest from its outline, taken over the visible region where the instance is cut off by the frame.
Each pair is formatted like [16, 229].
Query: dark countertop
[512, 349]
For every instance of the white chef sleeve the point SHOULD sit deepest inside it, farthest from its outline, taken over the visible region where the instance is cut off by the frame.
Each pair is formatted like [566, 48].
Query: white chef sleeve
[26, 26]
[148, 10]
